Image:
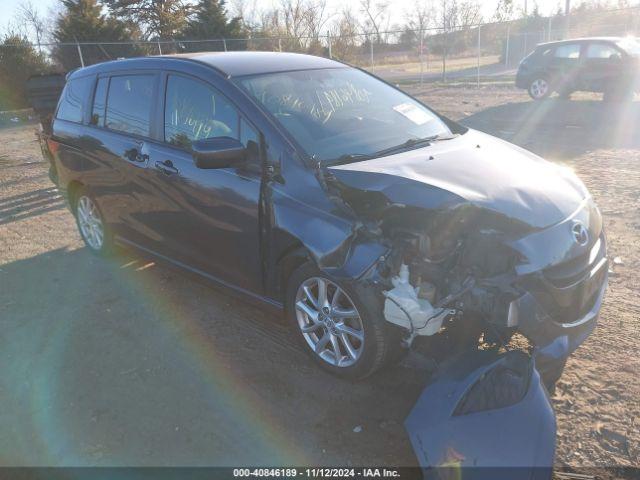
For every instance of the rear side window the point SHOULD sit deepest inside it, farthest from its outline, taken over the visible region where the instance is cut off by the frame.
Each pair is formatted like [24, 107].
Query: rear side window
[74, 95]
[568, 51]
[129, 104]
[196, 111]
[99, 103]
[601, 50]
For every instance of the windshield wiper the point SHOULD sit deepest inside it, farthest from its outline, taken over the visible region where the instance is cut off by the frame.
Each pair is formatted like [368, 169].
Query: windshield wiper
[412, 142]
[349, 157]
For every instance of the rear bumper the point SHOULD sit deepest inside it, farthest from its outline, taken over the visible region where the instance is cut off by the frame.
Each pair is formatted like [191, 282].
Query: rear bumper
[46, 154]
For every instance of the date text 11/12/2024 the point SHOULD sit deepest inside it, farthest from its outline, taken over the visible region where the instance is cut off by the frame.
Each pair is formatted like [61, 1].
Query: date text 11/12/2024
[317, 472]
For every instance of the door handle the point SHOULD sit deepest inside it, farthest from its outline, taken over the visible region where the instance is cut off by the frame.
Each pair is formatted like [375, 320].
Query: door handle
[166, 167]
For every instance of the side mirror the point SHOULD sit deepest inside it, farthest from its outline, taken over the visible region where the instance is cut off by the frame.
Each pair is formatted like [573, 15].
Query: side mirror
[616, 57]
[219, 152]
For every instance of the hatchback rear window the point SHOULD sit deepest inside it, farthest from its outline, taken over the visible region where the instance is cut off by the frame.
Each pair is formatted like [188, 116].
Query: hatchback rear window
[73, 98]
[129, 104]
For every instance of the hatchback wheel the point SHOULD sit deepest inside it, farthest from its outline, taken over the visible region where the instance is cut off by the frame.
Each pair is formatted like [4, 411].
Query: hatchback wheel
[329, 322]
[539, 89]
[343, 332]
[91, 224]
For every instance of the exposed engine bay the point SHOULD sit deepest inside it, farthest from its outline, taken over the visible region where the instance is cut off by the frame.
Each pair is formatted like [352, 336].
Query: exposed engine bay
[437, 283]
[508, 252]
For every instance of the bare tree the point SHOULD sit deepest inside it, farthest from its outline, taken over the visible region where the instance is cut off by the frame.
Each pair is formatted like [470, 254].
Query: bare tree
[246, 11]
[297, 23]
[422, 15]
[376, 16]
[29, 15]
[317, 18]
[345, 35]
[460, 14]
[419, 18]
[504, 11]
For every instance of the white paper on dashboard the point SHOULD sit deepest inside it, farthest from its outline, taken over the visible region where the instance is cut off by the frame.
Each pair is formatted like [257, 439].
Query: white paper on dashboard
[413, 113]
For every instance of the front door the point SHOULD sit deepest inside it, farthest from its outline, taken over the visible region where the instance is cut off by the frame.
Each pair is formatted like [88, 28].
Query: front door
[207, 220]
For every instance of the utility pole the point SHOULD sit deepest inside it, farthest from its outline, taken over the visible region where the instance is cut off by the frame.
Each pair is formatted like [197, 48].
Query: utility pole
[567, 21]
[444, 40]
[79, 51]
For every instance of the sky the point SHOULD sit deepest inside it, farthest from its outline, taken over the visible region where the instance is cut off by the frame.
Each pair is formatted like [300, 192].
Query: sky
[398, 8]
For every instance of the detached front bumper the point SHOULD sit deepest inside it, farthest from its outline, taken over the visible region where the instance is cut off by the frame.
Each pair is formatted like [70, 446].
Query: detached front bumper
[484, 416]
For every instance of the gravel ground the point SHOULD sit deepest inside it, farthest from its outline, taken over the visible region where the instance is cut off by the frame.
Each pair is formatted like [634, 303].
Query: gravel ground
[125, 362]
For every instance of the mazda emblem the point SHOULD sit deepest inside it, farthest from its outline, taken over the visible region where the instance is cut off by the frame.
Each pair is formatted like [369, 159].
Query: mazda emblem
[580, 233]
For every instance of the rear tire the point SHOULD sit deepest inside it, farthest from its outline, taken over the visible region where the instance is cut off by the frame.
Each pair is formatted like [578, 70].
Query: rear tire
[539, 88]
[321, 325]
[93, 229]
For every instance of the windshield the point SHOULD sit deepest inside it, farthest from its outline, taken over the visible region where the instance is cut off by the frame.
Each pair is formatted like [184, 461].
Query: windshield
[630, 45]
[342, 112]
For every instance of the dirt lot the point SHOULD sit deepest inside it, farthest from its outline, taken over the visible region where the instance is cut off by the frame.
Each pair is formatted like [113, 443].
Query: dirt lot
[125, 362]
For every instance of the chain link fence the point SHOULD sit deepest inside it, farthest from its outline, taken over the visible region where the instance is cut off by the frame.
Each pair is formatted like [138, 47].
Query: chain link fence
[466, 53]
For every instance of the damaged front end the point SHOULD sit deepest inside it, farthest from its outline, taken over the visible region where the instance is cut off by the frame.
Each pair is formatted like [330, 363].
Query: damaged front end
[481, 233]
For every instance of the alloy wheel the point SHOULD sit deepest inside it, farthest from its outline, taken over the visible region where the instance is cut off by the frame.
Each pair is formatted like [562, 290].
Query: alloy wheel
[329, 322]
[90, 223]
[539, 88]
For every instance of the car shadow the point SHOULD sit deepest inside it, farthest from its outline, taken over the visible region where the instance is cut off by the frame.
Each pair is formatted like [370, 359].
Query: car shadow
[562, 129]
[124, 361]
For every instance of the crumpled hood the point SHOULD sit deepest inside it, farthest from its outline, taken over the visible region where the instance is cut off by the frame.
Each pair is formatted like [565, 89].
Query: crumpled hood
[477, 168]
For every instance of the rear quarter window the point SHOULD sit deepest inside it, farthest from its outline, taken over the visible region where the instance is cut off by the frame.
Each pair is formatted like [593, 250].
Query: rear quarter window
[73, 99]
[602, 51]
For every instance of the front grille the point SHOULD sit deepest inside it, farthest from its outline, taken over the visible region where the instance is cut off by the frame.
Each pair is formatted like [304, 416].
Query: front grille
[563, 289]
[572, 271]
[569, 272]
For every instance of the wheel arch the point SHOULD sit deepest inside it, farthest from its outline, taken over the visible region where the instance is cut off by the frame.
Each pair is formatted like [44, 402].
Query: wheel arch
[72, 190]
[293, 258]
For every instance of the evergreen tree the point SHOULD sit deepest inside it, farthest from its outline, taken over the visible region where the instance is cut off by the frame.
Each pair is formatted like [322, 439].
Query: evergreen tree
[83, 21]
[158, 19]
[209, 21]
[18, 61]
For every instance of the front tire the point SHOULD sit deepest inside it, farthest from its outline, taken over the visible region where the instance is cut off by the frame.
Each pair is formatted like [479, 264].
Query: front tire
[91, 225]
[343, 332]
[539, 88]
